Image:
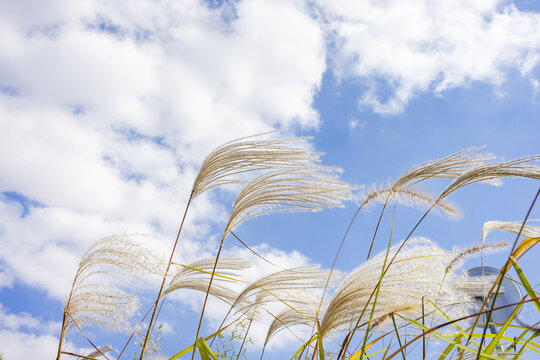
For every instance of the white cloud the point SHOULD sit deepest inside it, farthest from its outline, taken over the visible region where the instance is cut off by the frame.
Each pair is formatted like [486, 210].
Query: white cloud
[108, 108]
[23, 336]
[535, 84]
[415, 46]
[355, 123]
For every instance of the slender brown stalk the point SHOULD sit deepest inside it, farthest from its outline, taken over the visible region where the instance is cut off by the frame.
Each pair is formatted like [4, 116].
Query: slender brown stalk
[65, 316]
[164, 279]
[498, 283]
[206, 297]
[63, 331]
[82, 332]
[245, 337]
[253, 251]
[426, 332]
[133, 333]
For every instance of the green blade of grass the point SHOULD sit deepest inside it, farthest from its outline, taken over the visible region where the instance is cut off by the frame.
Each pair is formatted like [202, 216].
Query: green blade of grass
[303, 347]
[529, 340]
[497, 338]
[204, 350]
[398, 337]
[357, 354]
[450, 347]
[210, 273]
[526, 284]
[320, 342]
[445, 338]
[189, 348]
[507, 338]
[455, 325]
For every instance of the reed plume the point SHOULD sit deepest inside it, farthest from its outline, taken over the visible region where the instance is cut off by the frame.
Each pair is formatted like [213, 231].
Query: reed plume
[227, 163]
[196, 276]
[304, 186]
[472, 251]
[494, 172]
[449, 167]
[286, 286]
[309, 188]
[302, 314]
[417, 271]
[91, 301]
[231, 163]
[515, 227]
[411, 197]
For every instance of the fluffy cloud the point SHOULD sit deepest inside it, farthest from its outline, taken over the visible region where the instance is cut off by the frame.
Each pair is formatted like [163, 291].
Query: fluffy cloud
[108, 108]
[24, 336]
[401, 48]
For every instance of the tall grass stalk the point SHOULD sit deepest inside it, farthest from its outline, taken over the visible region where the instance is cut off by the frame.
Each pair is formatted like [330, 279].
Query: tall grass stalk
[395, 289]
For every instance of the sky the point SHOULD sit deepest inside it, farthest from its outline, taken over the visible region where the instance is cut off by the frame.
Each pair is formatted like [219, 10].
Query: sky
[108, 108]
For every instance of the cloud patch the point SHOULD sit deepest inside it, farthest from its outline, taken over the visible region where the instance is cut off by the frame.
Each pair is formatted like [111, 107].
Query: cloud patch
[415, 46]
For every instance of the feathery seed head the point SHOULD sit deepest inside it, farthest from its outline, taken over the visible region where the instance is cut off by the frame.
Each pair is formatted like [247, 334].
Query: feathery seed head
[102, 305]
[510, 226]
[298, 189]
[196, 276]
[406, 196]
[419, 270]
[92, 301]
[227, 163]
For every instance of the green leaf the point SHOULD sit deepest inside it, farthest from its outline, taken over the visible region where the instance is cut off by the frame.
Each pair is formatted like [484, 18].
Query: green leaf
[493, 344]
[189, 348]
[204, 349]
[526, 284]
[448, 340]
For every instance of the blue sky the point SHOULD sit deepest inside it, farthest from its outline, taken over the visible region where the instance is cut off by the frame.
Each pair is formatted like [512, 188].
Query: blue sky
[107, 110]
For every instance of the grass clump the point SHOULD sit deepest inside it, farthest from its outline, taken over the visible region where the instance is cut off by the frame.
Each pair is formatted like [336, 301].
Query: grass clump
[410, 292]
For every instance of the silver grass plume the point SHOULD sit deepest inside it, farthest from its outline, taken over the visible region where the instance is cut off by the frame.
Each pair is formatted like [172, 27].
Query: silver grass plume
[472, 251]
[95, 303]
[418, 271]
[227, 267]
[102, 305]
[495, 171]
[217, 290]
[196, 276]
[301, 188]
[510, 226]
[288, 286]
[409, 197]
[124, 254]
[227, 163]
[302, 314]
[306, 188]
[452, 166]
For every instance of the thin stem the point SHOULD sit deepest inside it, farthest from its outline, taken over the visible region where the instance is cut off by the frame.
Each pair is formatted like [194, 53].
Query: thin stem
[429, 331]
[398, 337]
[377, 227]
[206, 296]
[133, 333]
[244, 341]
[87, 339]
[62, 334]
[65, 316]
[164, 279]
[505, 268]
[423, 323]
